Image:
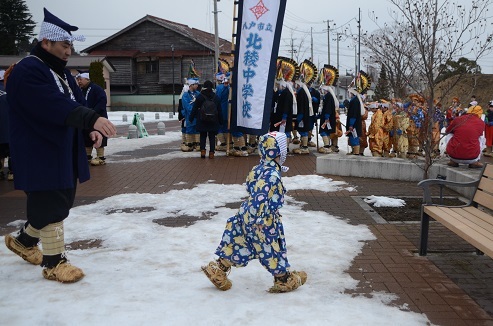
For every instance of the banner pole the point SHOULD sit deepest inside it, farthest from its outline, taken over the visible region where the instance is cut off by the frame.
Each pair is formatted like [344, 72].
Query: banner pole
[233, 37]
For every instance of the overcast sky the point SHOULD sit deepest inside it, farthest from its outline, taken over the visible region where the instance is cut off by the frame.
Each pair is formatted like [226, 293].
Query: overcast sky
[98, 19]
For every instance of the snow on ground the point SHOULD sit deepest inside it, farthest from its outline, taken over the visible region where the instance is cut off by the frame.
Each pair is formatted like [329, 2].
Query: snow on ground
[381, 201]
[147, 273]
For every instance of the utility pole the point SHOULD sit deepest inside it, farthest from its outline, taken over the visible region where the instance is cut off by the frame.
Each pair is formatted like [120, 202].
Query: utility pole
[311, 44]
[173, 72]
[216, 39]
[356, 62]
[328, 41]
[293, 51]
[359, 41]
[338, 80]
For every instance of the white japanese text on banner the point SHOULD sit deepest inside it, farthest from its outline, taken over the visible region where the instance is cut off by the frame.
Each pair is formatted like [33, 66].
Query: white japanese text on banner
[258, 36]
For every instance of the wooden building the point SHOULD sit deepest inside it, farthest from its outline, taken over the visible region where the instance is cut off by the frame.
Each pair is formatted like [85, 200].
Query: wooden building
[152, 54]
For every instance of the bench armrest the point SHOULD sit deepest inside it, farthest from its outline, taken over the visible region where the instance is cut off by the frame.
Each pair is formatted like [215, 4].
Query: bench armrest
[426, 184]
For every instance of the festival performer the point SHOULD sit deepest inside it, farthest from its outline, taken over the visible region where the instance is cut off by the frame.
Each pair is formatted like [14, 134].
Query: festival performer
[334, 137]
[356, 121]
[187, 100]
[316, 98]
[328, 117]
[363, 138]
[256, 231]
[47, 120]
[388, 123]
[375, 131]
[304, 117]
[287, 106]
[353, 121]
[416, 119]
[438, 123]
[181, 117]
[222, 91]
[394, 106]
[453, 111]
[95, 97]
[401, 124]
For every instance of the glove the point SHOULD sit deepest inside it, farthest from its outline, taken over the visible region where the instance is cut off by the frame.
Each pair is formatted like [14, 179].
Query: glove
[399, 132]
[314, 99]
[299, 117]
[391, 133]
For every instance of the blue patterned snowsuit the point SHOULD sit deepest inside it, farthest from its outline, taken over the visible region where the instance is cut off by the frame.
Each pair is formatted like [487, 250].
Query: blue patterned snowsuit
[256, 231]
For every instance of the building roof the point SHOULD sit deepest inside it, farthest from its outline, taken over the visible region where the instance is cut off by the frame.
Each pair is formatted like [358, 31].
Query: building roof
[205, 39]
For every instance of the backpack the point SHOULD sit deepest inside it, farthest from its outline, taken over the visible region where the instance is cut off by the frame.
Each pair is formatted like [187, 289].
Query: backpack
[208, 111]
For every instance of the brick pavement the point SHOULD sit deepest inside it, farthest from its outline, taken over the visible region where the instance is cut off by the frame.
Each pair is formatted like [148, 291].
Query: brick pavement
[451, 288]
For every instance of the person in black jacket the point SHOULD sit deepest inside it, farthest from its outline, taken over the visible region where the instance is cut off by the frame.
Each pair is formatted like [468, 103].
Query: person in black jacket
[353, 121]
[205, 127]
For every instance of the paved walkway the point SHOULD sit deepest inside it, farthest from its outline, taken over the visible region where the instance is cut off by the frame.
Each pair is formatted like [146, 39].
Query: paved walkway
[452, 285]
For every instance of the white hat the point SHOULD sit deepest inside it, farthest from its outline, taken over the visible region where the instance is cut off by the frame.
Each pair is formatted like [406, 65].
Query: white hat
[352, 91]
[55, 29]
[192, 81]
[220, 76]
[83, 75]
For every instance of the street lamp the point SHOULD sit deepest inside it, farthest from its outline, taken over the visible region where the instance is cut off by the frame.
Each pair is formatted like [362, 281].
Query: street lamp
[173, 72]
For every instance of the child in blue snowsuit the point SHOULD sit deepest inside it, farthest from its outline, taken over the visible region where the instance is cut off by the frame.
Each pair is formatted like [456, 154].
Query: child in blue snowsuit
[256, 231]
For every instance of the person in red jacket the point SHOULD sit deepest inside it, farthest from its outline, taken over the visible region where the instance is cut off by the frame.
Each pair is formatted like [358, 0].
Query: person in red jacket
[464, 146]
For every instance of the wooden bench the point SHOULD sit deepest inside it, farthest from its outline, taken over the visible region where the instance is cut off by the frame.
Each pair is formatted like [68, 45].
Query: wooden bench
[471, 223]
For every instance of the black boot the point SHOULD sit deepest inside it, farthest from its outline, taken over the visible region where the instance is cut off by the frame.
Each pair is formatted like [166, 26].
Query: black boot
[25, 239]
[53, 261]
[25, 246]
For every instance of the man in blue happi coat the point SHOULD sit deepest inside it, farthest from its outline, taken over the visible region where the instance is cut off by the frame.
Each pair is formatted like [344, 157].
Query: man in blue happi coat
[47, 146]
[96, 99]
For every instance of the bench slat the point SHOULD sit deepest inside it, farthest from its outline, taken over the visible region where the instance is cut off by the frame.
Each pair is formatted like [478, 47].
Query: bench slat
[460, 216]
[473, 220]
[488, 171]
[487, 218]
[483, 199]
[466, 228]
[486, 184]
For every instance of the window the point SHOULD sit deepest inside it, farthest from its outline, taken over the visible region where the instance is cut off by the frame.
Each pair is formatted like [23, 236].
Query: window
[151, 67]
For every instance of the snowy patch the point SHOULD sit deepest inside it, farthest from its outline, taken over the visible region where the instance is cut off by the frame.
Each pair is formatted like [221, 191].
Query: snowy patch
[380, 201]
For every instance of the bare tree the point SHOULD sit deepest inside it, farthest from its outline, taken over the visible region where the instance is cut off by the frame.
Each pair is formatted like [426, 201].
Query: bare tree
[439, 31]
[389, 47]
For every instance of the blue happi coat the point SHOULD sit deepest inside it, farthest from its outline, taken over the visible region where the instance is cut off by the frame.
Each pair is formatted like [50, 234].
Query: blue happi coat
[96, 99]
[256, 231]
[187, 101]
[41, 144]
